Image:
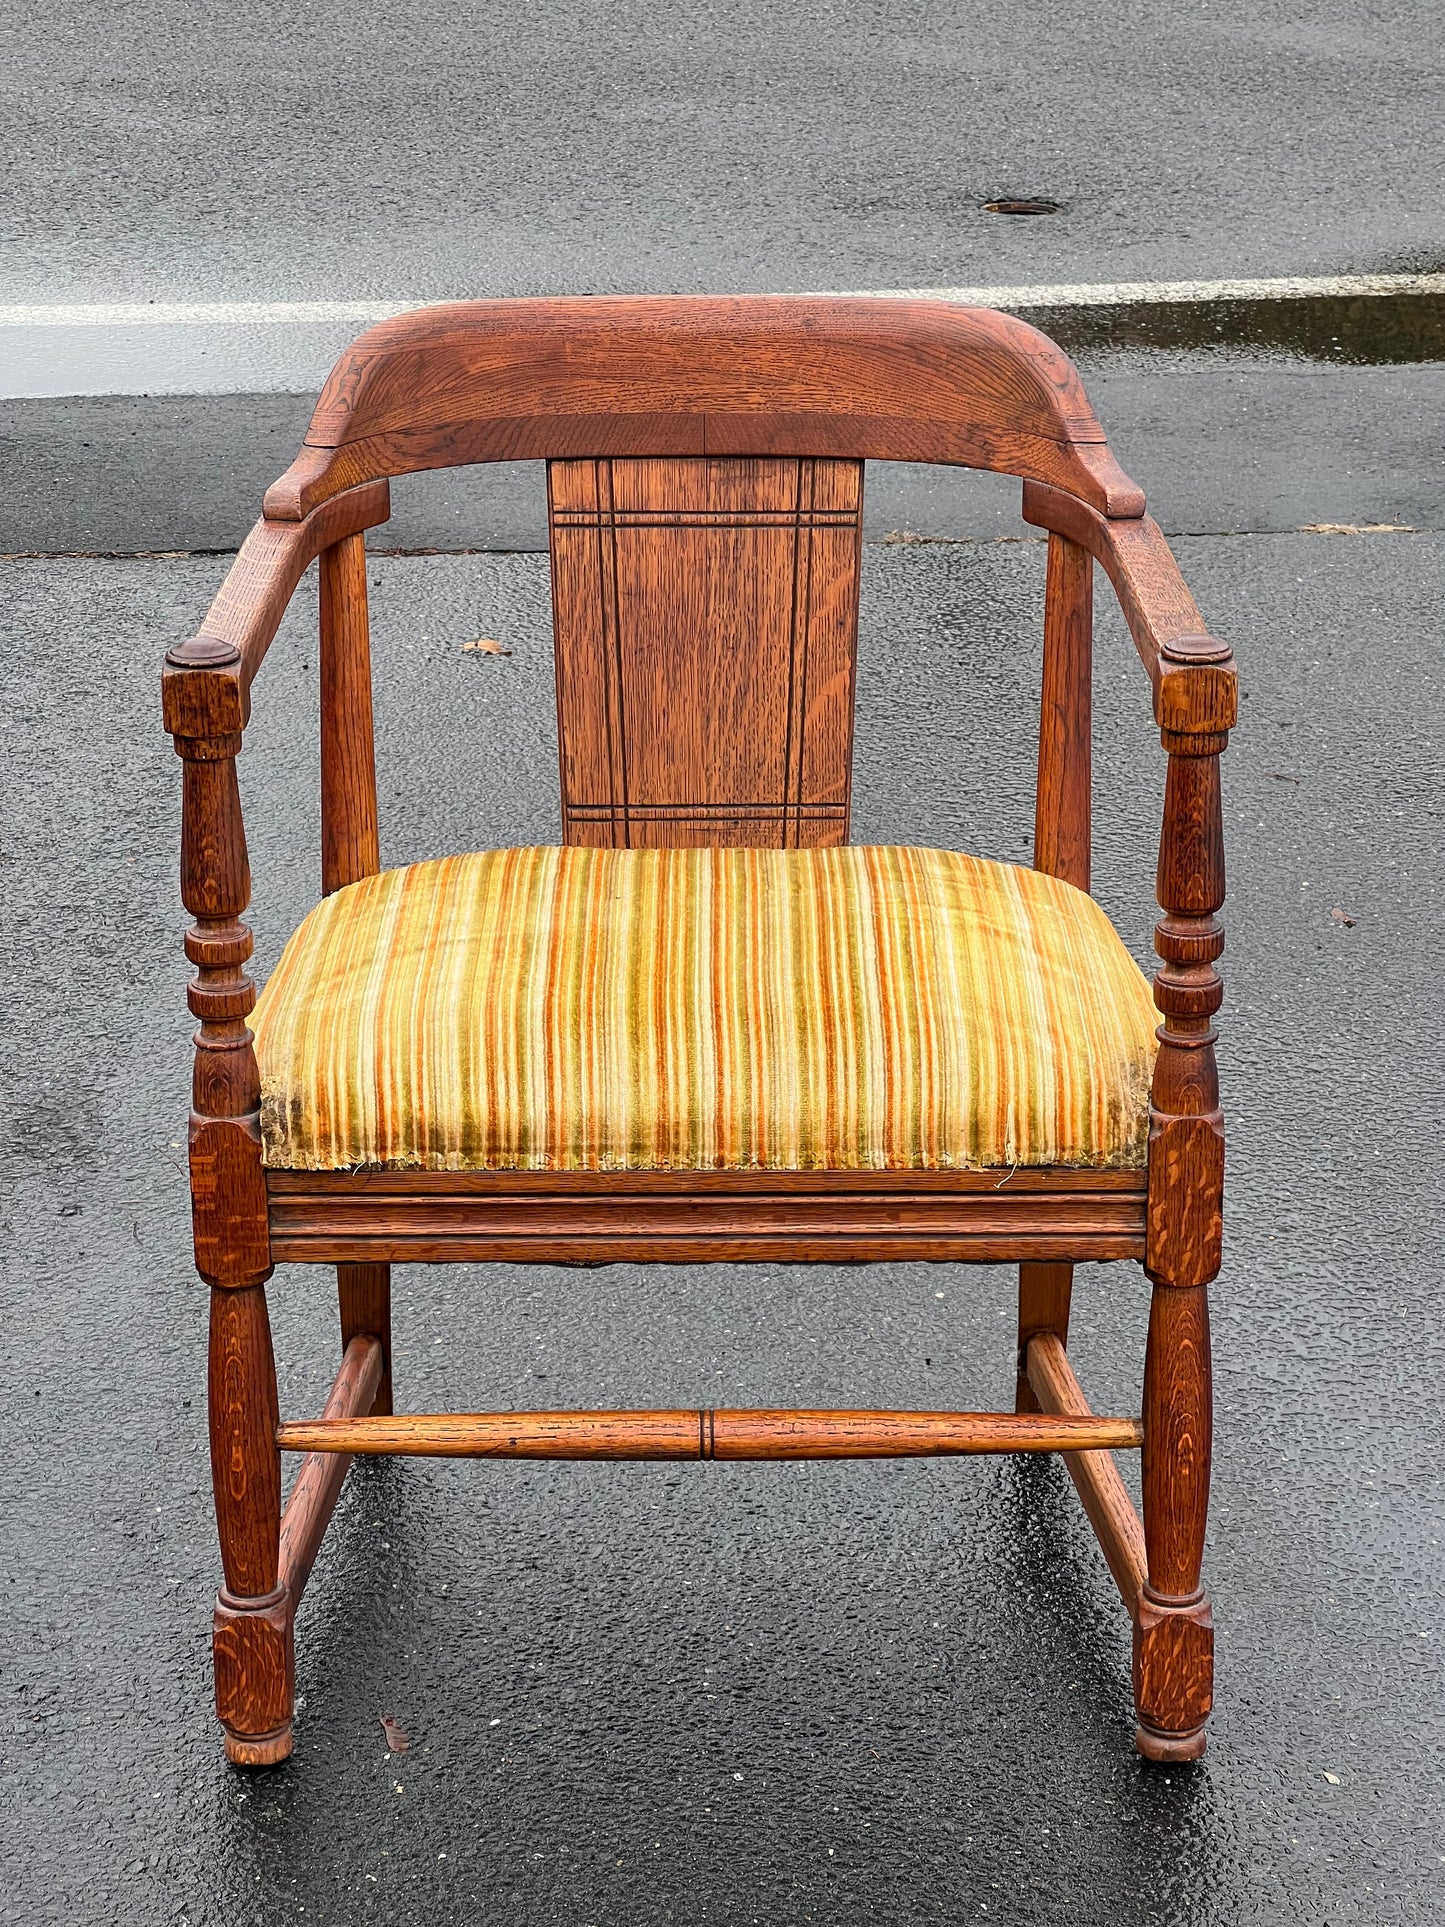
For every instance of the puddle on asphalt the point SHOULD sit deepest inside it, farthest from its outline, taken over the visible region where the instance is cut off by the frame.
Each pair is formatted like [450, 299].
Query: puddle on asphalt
[1375, 330]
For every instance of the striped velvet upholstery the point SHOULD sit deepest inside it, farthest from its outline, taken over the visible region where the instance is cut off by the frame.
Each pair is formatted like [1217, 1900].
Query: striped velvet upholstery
[705, 1009]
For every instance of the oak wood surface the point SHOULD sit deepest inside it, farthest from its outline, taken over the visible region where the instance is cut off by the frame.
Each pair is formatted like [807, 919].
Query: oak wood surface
[319, 1480]
[251, 1639]
[797, 375]
[1062, 821]
[228, 1186]
[363, 1295]
[350, 849]
[206, 683]
[1045, 1296]
[1102, 1492]
[1174, 1625]
[706, 619]
[703, 1217]
[1193, 673]
[694, 1434]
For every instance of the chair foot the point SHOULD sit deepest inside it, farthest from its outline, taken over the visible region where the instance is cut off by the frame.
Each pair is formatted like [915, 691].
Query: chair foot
[253, 1649]
[259, 1749]
[1173, 1676]
[1169, 1748]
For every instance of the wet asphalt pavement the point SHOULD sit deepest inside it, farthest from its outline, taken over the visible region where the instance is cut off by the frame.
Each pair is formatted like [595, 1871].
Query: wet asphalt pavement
[161, 150]
[736, 1694]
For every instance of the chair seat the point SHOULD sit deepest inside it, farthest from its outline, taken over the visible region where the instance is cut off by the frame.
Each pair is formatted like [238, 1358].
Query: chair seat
[705, 1009]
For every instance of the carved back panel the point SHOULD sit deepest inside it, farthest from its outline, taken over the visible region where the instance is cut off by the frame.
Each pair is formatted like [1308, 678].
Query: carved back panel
[706, 618]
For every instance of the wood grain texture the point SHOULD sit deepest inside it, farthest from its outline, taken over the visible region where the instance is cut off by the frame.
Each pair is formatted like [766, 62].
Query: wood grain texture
[228, 1186]
[1062, 819]
[251, 1630]
[245, 1468]
[794, 375]
[1177, 1409]
[350, 848]
[206, 684]
[1104, 1496]
[253, 1655]
[693, 1434]
[703, 1217]
[1174, 1630]
[318, 1482]
[1186, 1133]
[364, 1300]
[1045, 1292]
[1196, 687]
[706, 617]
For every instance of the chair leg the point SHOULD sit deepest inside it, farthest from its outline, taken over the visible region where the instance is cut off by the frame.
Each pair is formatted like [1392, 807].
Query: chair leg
[1173, 1630]
[252, 1631]
[1044, 1293]
[364, 1292]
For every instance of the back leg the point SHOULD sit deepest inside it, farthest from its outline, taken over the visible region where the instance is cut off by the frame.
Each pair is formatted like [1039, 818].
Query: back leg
[365, 1295]
[1044, 1293]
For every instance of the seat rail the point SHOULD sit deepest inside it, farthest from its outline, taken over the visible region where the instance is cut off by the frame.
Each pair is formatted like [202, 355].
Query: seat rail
[698, 1217]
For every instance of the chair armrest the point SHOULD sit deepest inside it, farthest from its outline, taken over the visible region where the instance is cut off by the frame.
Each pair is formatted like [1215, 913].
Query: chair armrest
[206, 684]
[1193, 674]
[1195, 706]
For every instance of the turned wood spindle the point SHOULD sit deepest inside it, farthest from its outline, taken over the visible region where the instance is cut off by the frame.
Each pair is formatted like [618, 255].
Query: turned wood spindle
[1174, 1632]
[251, 1643]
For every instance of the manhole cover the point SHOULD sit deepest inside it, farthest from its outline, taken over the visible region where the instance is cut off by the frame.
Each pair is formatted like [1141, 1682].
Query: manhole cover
[1018, 205]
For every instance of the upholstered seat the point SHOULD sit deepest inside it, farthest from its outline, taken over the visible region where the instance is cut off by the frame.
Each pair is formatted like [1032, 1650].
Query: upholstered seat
[705, 1009]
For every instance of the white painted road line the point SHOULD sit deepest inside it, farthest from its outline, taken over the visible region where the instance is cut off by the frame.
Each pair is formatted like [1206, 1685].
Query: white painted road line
[53, 350]
[1096, 294]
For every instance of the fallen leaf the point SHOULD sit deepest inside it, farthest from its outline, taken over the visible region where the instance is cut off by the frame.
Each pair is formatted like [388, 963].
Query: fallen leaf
[398, 1740]
[1358, 528]
[484, 646]
[1333, 1778]
[1344, 917]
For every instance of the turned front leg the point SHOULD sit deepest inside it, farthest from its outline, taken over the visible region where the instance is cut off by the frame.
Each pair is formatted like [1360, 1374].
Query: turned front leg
[252, 1633]
[1174, 1631]
[252, 1628]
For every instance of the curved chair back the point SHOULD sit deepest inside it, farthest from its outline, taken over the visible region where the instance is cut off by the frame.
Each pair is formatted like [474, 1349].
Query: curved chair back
[686, 375]
[705, 490]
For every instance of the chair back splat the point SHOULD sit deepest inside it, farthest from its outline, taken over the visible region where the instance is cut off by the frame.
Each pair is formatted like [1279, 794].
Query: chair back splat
[706, 618]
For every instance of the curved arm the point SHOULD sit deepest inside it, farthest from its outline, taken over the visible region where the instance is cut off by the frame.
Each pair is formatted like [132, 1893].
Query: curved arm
[206, 684]
[1195, 687]
[1195, 705]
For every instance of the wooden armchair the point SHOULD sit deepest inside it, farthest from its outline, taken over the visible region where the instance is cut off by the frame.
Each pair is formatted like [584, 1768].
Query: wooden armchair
[705, 1029]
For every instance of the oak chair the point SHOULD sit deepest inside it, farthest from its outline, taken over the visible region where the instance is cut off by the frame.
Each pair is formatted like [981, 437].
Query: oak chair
[705, 1029]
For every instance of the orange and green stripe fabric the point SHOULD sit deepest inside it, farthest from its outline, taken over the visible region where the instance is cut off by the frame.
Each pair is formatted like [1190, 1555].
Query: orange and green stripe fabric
[577, 1009]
